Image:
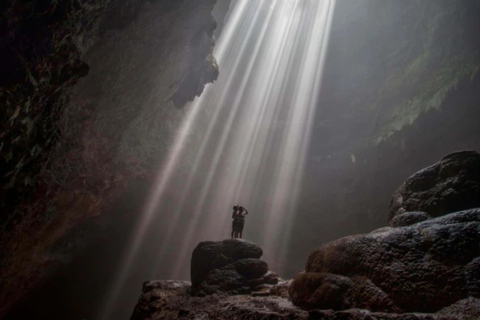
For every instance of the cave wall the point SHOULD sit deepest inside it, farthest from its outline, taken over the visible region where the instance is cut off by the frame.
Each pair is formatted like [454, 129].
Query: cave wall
[85, 93]
[400, 90]
[89, 85]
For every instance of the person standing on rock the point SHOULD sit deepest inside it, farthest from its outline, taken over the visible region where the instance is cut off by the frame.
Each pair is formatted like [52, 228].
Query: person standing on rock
[241, 220]
[235, 222]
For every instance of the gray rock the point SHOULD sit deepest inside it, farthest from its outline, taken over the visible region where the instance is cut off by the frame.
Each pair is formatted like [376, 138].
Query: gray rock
[164, 300]
[451, 185]
[466, 309]
[420, 268]
[154, 301]
[229, 267]
[322, 290]
[211, 255]
[251, 268]
[409, 218]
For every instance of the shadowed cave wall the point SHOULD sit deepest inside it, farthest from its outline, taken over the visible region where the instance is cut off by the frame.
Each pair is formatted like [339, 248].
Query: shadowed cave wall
[400, 91]
[88, 101]
[71, 146]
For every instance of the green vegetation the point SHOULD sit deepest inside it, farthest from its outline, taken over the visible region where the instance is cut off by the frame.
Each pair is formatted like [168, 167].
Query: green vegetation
[430, 95]
[420, 81]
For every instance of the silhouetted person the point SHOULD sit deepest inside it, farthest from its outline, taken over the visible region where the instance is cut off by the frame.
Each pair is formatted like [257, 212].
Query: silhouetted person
[241, 213]
[235, 222]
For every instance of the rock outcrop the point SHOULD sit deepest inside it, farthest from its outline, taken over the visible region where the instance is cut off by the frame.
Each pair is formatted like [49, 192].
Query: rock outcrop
[166, 300]
[453, 184]
[230, 267]
[419, 264]
[424, 267]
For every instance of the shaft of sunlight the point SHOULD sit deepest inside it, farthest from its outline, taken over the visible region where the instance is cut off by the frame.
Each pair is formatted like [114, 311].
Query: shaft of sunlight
[252, 129]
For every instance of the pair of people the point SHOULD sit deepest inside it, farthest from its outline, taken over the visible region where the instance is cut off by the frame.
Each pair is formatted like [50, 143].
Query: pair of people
[238, 217]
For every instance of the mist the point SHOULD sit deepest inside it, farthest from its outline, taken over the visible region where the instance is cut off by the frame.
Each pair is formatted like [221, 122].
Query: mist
[320, 110]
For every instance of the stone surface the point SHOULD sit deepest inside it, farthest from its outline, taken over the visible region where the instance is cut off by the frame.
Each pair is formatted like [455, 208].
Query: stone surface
[409, 218]
[171, 300]
[420, 268]
[466, 309]
[418, 263]
[453, 184]
[211, 255]
[230, 266]
[322, 290]
[153, 301]
[166, 300]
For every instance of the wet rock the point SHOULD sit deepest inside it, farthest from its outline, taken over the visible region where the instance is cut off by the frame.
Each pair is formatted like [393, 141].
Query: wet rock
[409, 218]
[229, 267]
[453, 184]
[166, 300]
[420, 268]
[357, 314]
[270, 278]
[154, 299]
[466, 309]
[167, 304]
[426, 260]
[211, 255]
[251, 268]
[322, 290]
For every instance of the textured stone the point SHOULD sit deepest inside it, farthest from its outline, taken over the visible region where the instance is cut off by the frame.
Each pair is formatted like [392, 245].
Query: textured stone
[409, 218]
[166, 300]
[211, 255]
[251, 268]
[451, 185]
[424, 267]
[322, 290]
[230, 267]
[466, 309]
[270, 278]
[153, 301]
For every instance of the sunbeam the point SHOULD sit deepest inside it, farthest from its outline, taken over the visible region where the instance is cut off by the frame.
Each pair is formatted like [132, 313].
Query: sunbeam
[251, 150]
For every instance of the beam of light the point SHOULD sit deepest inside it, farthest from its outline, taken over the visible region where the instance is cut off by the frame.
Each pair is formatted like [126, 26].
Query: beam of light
[161, 183]
[167, 170]
[293, 148]
[239, 96]
[257, 120]
[322, 28]
[216, 99]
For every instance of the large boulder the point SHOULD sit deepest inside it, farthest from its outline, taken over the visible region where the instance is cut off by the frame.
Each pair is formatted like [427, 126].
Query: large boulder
[451, 185]
[426, 260]
[229, 266]
[424, 267]
[154, 303]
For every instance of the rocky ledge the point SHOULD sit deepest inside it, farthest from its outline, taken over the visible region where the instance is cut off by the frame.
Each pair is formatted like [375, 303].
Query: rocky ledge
[418, 268]
[230, 267]
[228, 281]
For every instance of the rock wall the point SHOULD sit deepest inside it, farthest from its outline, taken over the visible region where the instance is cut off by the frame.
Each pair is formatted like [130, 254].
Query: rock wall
[69, 146]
